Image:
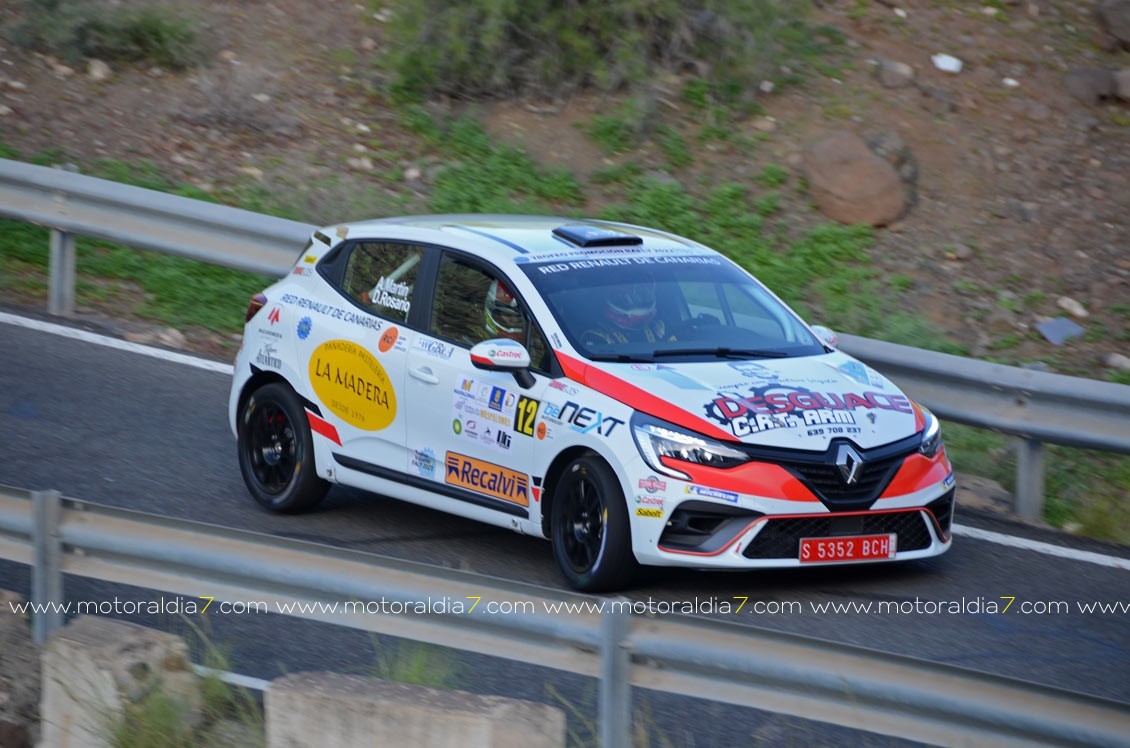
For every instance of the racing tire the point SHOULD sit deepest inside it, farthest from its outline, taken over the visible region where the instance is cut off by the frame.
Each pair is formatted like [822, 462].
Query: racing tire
[276, 451]
[589, 527]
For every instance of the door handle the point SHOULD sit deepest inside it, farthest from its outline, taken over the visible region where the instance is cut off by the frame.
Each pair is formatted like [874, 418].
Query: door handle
[424, 374]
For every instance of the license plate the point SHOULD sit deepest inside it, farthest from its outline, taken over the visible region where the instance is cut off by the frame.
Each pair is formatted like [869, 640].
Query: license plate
[855, 548]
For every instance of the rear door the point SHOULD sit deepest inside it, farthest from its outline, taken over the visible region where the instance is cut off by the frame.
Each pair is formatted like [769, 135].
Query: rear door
[355, 344]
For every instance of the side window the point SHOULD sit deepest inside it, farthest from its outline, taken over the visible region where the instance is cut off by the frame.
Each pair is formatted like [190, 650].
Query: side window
[472, 305]
[381, 276]
[751, 314]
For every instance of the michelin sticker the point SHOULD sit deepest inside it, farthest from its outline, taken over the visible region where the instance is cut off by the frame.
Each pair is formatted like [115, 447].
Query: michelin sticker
[353, 384]
[712, 493]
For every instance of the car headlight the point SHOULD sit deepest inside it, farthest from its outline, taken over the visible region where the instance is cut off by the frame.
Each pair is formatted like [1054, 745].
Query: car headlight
[931, 435]
[657, 439]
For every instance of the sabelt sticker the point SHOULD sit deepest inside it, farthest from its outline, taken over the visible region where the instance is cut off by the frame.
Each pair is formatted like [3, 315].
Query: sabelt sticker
[652, 513]
[353, 384]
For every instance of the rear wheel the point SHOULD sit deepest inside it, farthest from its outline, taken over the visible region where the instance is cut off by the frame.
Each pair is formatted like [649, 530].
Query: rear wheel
[276, 454]
[589, 527]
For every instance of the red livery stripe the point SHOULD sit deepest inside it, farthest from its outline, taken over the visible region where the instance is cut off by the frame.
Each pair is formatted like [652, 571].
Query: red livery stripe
[634, 397]
[322, 426]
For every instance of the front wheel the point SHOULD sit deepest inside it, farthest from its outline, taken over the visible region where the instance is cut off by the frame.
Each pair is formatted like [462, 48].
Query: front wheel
[276, 454]
[589, 528]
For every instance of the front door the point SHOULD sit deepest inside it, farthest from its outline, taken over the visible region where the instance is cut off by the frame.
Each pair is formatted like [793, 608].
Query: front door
[471, 429]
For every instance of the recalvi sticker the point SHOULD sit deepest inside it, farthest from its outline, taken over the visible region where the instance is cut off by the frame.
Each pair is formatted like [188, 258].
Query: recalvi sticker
[487, 478]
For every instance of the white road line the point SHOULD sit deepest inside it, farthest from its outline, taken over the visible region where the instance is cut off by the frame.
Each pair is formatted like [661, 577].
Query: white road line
[1048, 549]
[233, 679]
[122, 345]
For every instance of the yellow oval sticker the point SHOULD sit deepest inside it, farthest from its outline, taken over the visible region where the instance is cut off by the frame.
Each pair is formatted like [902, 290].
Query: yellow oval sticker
[353, 384]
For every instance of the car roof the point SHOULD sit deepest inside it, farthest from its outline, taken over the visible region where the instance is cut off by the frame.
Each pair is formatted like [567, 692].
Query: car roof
[531, 239]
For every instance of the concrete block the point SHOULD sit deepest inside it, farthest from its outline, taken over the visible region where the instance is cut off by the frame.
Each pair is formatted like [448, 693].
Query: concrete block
[329, 710]
[94, 667]
[19, 676]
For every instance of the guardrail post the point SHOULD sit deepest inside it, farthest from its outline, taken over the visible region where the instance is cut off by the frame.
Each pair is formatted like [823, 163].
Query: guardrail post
[61, 274]
[615, 689]
[46, 570]
[1030, 479]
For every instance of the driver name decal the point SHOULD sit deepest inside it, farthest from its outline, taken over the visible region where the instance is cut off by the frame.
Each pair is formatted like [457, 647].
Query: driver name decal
[487, 478]
[353, 384]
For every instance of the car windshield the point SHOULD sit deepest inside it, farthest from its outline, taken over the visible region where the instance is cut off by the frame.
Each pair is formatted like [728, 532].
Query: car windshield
[668, 308]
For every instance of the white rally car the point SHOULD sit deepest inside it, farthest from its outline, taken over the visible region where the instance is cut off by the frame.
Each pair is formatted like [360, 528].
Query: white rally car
[632, 396]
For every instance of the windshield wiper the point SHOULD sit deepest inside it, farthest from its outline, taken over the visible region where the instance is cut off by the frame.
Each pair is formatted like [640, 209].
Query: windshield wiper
[722, 352]
[622, 358]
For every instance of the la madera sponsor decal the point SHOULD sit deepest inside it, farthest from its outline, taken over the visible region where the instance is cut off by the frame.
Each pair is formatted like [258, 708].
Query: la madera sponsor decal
[487, 478]
[780, 406]
[353, 384]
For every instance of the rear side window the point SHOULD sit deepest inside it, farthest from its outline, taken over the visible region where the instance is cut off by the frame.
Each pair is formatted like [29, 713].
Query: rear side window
[381, 276]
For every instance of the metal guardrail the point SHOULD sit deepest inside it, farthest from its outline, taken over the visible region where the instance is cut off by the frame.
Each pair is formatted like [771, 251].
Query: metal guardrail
[746, 666]
[1036, 406]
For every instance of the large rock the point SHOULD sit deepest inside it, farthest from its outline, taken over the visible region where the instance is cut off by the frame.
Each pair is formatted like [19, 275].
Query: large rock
[1115, 16]
[851, 184]
[1122, 84]
[1090, 85]
[894, 74]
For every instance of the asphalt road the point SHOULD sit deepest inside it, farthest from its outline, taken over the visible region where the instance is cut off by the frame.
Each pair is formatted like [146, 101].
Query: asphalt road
[128, 430]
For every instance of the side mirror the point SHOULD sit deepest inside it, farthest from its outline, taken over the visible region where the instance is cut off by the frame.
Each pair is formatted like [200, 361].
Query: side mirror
[501, 354]
[826, 336]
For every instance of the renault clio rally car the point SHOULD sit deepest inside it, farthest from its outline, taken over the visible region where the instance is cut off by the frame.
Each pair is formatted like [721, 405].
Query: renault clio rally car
[633, 396]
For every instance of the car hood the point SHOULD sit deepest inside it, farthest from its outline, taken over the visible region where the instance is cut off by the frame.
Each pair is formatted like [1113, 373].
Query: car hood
[798, 403]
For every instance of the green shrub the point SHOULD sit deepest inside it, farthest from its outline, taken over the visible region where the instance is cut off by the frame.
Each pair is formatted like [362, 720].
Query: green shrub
[625, 127]
[489, 178]
[543, 47]
[675, 148]
[75, 30]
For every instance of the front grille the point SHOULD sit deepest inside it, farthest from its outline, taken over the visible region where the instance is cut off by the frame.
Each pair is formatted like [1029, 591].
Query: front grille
[826, 481]
[821, 475]
[780, 538]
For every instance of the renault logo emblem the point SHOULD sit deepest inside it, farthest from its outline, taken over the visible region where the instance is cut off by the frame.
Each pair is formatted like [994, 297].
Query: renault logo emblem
[849, 462]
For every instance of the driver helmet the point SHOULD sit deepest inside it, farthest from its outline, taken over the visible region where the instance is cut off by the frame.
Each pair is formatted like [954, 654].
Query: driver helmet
[503, 315]
[632, 306]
